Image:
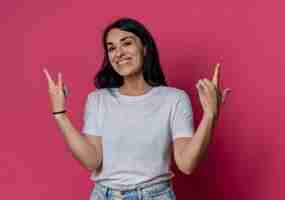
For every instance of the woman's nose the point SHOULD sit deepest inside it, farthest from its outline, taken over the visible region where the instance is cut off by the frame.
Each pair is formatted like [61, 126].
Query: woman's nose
[119, 52]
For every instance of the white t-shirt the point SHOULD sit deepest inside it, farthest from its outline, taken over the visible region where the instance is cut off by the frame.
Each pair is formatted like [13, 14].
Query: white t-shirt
[137, 132]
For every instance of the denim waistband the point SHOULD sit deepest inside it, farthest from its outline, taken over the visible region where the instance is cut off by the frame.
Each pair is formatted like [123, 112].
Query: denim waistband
[148, 187]
[158, 179]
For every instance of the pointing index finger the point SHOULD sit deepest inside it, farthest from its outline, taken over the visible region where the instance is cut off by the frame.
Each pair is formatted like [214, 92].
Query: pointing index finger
[216, 76]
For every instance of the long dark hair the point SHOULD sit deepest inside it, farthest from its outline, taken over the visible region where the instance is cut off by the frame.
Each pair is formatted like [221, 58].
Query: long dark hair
[107, 77]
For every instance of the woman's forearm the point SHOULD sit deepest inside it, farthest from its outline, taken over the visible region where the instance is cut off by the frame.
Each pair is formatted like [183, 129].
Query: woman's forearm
[84, 152]
[196, 149]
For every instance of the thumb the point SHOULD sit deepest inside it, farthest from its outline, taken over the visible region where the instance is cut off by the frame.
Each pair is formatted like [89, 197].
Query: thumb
[225, 94]
[65, 90]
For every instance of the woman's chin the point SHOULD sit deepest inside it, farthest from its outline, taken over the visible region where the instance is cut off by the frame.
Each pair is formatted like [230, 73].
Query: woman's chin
[125, 71]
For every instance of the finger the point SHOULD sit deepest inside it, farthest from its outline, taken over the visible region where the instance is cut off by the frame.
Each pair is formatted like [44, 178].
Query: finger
[65, 90]
[216, 76]
[225, 94]
[204, 86]
[209, 84]
[213, 91]
[199, 87]
[212, 88]
[59, 81]
[50, 81]
[200, 91]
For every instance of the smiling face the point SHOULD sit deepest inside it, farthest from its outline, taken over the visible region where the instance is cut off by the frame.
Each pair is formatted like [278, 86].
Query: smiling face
[125, 52]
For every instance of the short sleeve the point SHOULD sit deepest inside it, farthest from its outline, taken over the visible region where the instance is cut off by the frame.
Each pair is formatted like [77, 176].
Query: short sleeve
[182, 118]
[91, 115]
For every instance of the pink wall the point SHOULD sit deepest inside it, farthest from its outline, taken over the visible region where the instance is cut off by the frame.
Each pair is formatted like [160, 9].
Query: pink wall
[245, 157]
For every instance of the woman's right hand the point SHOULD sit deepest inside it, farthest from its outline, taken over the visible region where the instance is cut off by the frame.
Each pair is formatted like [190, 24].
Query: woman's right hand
[56, 92]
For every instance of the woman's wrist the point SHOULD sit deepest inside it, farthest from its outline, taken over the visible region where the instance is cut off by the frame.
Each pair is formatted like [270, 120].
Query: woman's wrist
[210, 116]
[59, 112]
[59, 116]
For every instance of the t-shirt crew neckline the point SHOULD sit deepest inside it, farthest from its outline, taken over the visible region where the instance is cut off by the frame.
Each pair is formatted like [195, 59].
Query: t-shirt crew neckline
[135, 98]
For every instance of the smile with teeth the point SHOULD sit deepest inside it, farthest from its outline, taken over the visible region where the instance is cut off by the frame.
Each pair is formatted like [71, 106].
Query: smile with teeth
[124, 61]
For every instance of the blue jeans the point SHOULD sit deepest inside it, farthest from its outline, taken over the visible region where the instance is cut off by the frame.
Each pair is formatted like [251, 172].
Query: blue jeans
[157, 191]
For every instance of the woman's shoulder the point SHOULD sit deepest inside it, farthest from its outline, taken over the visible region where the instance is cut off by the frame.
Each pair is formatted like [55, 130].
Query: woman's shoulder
[173, 91]
[96, 92]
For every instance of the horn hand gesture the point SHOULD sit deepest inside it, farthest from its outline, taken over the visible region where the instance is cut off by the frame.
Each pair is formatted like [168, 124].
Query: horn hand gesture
[210, 95]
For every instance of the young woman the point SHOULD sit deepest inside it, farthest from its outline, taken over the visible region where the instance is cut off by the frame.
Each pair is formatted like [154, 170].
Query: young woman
[133, 121]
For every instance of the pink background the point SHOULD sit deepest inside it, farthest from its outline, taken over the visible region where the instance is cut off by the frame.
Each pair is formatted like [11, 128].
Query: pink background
[246, 156]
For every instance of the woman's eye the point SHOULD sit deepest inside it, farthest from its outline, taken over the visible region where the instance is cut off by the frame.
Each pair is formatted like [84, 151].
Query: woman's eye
[124, 44]
[127, 43]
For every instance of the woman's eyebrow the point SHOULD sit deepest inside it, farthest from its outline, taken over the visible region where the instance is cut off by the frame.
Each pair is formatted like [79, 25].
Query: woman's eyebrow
[122, 39]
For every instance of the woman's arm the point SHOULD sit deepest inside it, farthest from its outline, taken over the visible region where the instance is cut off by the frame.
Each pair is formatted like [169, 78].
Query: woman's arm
[87, 154]
[190, 151]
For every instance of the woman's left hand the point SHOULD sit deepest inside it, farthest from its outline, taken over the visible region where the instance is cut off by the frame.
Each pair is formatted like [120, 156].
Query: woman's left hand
[210, 95]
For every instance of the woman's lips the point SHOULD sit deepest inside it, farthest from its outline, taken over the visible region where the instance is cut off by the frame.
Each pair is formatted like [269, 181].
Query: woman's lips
[123, 61]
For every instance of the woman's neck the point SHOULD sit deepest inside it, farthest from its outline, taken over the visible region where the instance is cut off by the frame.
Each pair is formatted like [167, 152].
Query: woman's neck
[134, 90]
